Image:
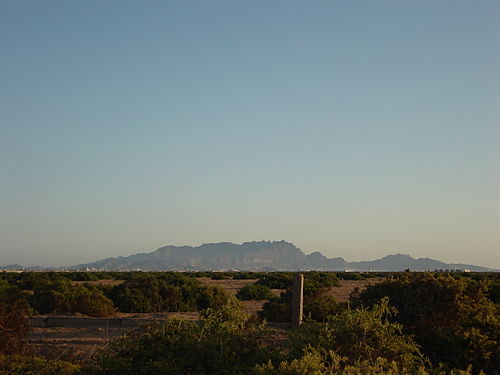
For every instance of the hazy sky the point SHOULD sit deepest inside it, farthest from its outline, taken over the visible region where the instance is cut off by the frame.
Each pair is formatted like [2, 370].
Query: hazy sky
[354, 128]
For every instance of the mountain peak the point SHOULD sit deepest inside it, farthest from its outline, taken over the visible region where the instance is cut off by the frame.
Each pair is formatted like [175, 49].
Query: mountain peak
[260, 256]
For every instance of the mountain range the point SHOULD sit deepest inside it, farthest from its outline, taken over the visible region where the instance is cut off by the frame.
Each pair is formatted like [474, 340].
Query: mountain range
[260, 256]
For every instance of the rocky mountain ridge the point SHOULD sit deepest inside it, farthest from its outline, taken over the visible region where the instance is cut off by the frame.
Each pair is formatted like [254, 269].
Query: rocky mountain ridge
[260, 256]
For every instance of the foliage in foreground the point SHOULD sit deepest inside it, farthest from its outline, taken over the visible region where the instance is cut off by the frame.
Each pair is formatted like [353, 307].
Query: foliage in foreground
[451, 318]
[317, 362]
[225, 342]
[360, 335]
[23, 365]
[14, 322]
[354, 342]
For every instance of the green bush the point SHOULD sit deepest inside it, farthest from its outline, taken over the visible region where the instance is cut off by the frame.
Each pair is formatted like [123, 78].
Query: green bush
[14, 321]
[225, 342]
[277, 280]
[450, 318]
[278, 309]
[30, 365]
[352, 342]
[321, 362]
[360, 335]
[59, 295]
[150, 292]
[255, 292]
[317, 306]
[350, 276]
[320, 307]
[247, 275]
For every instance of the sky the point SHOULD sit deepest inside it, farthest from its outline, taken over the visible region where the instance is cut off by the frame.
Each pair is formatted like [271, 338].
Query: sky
[354, 128]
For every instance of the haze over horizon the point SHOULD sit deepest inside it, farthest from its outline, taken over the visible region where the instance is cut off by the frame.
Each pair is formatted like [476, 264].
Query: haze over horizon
[357, 129]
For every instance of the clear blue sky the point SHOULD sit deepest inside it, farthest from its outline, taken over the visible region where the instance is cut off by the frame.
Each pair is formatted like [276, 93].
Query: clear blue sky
[354, 128]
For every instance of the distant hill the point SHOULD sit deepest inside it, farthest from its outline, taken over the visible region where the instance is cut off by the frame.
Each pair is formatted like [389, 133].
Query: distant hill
[260, 256]
[11, 267]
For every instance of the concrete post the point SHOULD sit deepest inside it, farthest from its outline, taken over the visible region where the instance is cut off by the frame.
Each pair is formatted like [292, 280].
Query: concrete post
[297, 299]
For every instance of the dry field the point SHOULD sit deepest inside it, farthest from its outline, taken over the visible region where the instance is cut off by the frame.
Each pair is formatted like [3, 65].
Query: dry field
[78, 344]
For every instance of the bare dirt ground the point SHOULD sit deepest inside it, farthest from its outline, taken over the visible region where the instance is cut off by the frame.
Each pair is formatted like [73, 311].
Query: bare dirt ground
[75, 345]
[79, 344]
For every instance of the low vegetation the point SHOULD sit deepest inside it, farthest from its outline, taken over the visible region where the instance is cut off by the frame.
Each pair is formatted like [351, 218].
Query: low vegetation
[451, 318]
[14, 322]
[61, 293]
[411, 324]
[151, 292]
[255, 292]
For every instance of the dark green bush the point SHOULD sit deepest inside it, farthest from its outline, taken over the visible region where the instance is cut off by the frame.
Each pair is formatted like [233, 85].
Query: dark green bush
[30, 365]
[277, 280]
[317, 306]
[450, 318]
[255, 292]
[59, 295]
[14, 321]
[360, 335]
[224, 343]
[150, 292]
[313, 280]
[278, 309]
[350, 276]
[247, 275]
[320, 307]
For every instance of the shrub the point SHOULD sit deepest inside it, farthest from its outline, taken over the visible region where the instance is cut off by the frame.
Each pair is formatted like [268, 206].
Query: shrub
[278, 309]
[320, 307]
[14, 321]
[317, 306]
[247, 275]
[321, 362]
[23, 365]
[149, 292]
[277, 280]
[313, 280]
[60, 295]
[255, 292]
[360, 335]
[92, 302]
[225, 342]
[350, 276]
[451, 318]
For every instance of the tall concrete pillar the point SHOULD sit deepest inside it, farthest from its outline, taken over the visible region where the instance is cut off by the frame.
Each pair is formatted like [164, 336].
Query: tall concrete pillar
[297, 299]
